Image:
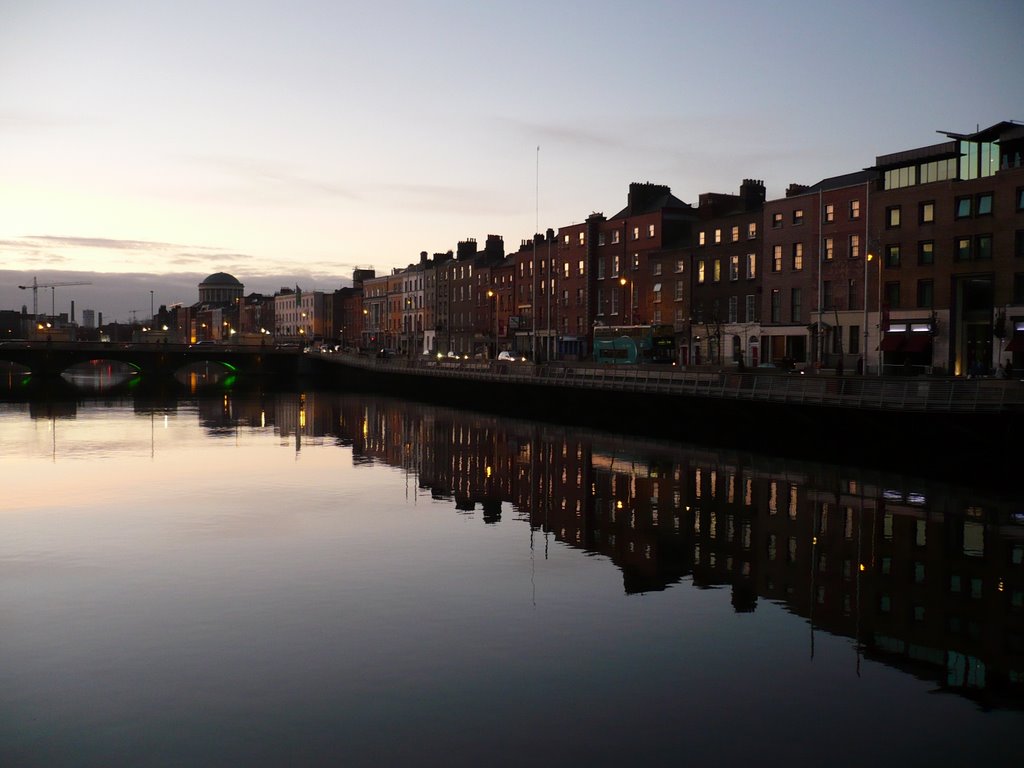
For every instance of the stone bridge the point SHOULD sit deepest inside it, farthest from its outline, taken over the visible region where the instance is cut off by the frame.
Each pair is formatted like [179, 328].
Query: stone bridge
[153, 360]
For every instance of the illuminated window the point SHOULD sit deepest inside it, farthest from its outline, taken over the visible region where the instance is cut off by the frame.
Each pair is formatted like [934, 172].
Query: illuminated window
[828, 246]
[798, 216]
[855, 209]
[751, 266]
[892, 217]
[830, 213]
[776, 220]
[798, 256]
[854, 246]
[777, 258]
[892, 256]
[928, 212]
[751, 230]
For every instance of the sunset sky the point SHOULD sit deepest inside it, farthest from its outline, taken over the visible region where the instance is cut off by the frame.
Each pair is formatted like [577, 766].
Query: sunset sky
[288, 142]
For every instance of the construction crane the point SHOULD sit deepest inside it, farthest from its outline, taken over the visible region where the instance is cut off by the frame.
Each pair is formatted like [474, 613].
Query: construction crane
[53, 291]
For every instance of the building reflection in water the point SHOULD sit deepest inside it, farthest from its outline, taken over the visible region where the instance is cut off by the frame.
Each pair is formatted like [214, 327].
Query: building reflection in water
[926, 577]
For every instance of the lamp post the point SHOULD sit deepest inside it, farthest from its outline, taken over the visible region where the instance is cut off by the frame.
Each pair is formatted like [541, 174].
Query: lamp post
[493, 295]
[624, 281]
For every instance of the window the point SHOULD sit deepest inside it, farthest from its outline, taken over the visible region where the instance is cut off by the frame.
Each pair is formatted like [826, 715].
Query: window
[565, 268]
[735, 234]
[855, 209]
[798, 256]
[680, 265]
[751, 266]
[615, 236]
[963, 249]
[751, 308]
[615, 265]
[900, 177]
[583, 238]
[733, 308]
[734, 267]
[927, 212]
[680, 289]
[829, 213]
[892, 217]
[826, 294]
[776, 305]
[925, 294]
[751, 230]
[854, 343]
[636, 261]
[700, 271]
[1020, 198]
[963, 207]
[984, 207]
[892, 295]
[718, 236]
[582, 267]
[983, 247]
[1018, 244]
[700, 238]
[1018, 287]
[828, 248]
[657, 268]
[892, 256]
[776, 220]
[796, 305]
[798, 216]
[851, 294]
[650, 230]
[657, 293]
[600, 238]
[718, 270]
[566, 239]
[926, 252]
[777, 258]
[636, 233]
[854, 246]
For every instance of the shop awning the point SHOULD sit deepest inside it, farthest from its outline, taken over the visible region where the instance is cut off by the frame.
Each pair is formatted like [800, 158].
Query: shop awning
[893, 342]
[1016, 343]
[917, 342]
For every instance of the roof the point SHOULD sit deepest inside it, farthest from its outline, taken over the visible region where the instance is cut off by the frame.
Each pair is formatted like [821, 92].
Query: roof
[221, 278]
[854, 179]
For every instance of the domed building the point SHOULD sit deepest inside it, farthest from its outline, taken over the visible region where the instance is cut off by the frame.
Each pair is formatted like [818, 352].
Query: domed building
[220, 288]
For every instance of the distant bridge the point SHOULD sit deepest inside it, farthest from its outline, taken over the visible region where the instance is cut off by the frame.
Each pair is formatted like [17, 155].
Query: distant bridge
[153, 360]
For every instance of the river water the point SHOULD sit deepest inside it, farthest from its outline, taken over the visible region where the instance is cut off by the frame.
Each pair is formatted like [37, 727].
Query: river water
[325, 579]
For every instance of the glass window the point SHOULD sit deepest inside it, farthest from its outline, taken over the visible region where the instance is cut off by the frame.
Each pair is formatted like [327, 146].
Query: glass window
[777, 258]
[700, 238]
[615, 265]
[735, 234]
[582, 266]
[983, 247]
[854, 246]
[636, 233]
[752, 228]
[718, 270]
[854, 341]
[985, 204]
[751, 302]
[600, 238]
[855, 209]
[718, 236]
[1018, 244]
[583, 238]
[615, 236]
[826, 294]
[680, 265]
[751, 266]
[892, 256]
[927, 212]
[776, 220]
[926, 252]
[566, 239]
[798, 256]
[680, 289]
[892, 295]
[700, 271]
[650, 230]
[798, 216]
[776, 305]
[796, 305]
[892, 217]
[963, 249]
[600, 268]
[636, 261]
[963, 207]
[828, 247]
[1018, 287]
[733, 308]
[925, 294]
[734, 267]
[657, 268]
[830, 213]
[1020, 198]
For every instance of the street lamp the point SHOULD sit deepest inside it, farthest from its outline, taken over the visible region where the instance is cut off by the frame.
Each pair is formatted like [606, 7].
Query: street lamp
[491, 294]
[623, 281]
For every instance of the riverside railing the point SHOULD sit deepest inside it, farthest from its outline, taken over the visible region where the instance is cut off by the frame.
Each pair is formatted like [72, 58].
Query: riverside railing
[909, 393]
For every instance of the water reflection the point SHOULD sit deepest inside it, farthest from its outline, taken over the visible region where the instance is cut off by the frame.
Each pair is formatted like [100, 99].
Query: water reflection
[925, 577]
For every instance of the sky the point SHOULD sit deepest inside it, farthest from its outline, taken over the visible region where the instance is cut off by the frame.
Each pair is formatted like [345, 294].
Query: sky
[144, 146]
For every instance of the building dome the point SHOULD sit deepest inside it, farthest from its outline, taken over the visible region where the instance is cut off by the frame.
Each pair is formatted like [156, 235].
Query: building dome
[220, 288]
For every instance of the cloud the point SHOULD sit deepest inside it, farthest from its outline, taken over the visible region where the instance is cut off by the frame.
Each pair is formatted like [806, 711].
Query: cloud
[270, 177]
[101, 242]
